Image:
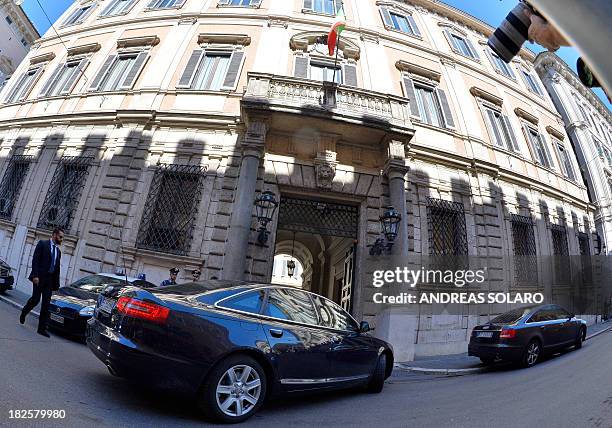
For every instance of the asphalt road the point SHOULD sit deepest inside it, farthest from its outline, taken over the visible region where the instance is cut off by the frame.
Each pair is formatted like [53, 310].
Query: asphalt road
[569, 390]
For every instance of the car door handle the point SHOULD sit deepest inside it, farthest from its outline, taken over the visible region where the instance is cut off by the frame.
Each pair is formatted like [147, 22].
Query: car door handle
[276, 333]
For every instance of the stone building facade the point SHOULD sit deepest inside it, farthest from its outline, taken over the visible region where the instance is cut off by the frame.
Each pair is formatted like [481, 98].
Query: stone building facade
[589, 125]
[18, 34]
[150, 135]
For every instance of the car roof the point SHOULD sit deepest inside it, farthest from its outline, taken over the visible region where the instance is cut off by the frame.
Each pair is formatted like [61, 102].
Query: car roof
[115, 276]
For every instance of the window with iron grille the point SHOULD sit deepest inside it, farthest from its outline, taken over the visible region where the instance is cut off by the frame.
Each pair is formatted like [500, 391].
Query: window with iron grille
[559, 237]
[64, 192]
[11, 184]
[523, 239]
[447, 230]
[171, 209]
[583, 243]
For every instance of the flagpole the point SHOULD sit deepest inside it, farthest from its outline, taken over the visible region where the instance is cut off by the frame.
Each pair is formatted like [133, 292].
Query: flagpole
[336, 60]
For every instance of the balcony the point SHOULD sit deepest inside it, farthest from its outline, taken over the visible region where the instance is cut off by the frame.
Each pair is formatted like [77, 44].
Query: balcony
[327, 100]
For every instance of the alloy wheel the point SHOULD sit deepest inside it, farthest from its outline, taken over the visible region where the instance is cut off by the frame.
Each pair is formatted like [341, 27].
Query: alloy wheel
[238, 390]
[533, 352]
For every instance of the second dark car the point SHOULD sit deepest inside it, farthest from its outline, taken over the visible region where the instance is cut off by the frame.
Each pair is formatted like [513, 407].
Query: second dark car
[523, 335]
[234, 344]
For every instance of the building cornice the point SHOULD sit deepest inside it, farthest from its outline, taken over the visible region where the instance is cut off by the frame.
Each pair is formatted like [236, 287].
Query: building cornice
[546, 61]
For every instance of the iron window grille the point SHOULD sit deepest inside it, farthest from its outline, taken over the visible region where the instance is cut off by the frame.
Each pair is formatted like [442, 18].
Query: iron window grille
[523, 239]
[561, 262]
[559, 237]
[447, 230]
[328, 219]
[11, 184]
[171, 209]
[64, 192]
[583, 243]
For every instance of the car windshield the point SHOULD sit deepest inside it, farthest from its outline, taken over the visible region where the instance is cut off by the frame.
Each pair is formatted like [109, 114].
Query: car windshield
[511, 316]
[95, 283]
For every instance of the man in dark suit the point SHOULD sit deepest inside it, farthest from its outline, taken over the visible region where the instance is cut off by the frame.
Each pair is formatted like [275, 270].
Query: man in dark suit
[45, 275]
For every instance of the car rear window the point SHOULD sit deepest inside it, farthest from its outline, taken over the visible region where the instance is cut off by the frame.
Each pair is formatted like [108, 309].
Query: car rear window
[511, 316]
[250, 302]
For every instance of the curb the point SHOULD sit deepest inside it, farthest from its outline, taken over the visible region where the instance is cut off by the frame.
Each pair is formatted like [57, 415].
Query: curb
[599, 332]
[17, 305]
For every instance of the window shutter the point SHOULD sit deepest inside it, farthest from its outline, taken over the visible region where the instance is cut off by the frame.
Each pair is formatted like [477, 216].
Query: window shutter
[544, 143]
[51, 81]
[33, 81]
[108, 7]
[350, 75]
[472, 48]
[69, 18]
[18, 84]
[531, 144]
[255, 3]
[134, 71]
[386, 17]
[490, 122]
[513, 140]
[413, 24]
[410, 93]
[451, 41]
[77, 72]
[86, 14]
[308, 4]
[152, 4]
[233, 70]
[95, 85]
[190, 70]
[301, 67]
[492, 60]
[446, 110]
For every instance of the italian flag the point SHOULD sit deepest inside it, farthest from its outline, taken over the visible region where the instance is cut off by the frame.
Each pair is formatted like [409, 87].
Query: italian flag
[334, 33]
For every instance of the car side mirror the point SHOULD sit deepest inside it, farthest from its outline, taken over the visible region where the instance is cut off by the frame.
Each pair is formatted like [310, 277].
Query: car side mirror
[364, 327]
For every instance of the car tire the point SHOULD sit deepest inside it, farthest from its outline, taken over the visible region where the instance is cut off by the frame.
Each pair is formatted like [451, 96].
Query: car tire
[377, 381]
[238, 382]
[581, 337]
[532, 353]
[487, 361]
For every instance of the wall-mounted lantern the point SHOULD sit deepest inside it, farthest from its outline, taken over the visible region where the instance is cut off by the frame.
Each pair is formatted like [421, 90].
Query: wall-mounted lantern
[389, 223]
[265, 205]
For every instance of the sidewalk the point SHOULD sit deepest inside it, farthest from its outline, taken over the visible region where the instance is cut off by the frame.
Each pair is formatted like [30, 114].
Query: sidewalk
[18, 299]
[462, 364]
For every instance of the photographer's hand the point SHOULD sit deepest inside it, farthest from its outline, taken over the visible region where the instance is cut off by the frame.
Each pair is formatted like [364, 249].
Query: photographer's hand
[544, 33]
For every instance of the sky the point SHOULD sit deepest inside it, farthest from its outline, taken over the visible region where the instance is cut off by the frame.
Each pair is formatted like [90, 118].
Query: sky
[490, 11]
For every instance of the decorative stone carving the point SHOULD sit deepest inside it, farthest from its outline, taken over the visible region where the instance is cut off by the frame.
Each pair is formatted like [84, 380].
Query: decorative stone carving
[325, 168]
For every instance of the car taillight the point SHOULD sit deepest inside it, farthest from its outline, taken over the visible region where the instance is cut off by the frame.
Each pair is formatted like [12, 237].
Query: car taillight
[144, 310]
[507, 333]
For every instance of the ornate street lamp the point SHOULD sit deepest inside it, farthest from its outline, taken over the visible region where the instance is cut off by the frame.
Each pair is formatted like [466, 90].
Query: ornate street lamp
[265, 205]
[291, 263]
[389, 223]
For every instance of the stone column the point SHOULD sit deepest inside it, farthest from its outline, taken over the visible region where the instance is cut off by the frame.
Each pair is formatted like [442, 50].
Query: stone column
[396, 170]
[253, 143]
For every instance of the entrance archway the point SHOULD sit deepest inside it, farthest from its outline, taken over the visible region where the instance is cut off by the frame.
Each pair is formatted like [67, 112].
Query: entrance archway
[323, 236]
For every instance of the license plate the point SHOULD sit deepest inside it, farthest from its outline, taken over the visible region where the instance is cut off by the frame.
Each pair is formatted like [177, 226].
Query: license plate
[57, 318]
[107, 305]
[484, 334]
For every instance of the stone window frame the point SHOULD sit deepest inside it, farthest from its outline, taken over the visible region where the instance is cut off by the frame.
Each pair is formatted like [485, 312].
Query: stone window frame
[233, 45]
[524, 72]
[37, 66]
[528, 126]
[450, 30]
[152, 5]
[140, 47]
[12, 160]
[386, 7]
[253, 4]
[83, 4]
[511, 143]
[348, 57]
[103, 14]
[491, 55]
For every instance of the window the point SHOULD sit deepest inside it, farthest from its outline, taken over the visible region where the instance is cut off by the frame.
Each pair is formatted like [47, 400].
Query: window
[79, 15]
[547, 314]
[64, 192]
[333, 316]
[559, 238]
[292, 305]
[531, 83]
[250, 302]
[171, 208]
[64, 78]
[565, 160]
[10, 187]
[8, 20]
[447, 231]
[323, 70]
[119, 72]
[24, 85]
[538, 146]
[327, 7]
[461, 44]
[118, 7]
[499, 64]
[240, 3]
[212, 70]
[165, 4]
[511, 317]
[24, 43]
[523, 240]
[500, 129]
[428, 104]
[96, 283]
[404, 23]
